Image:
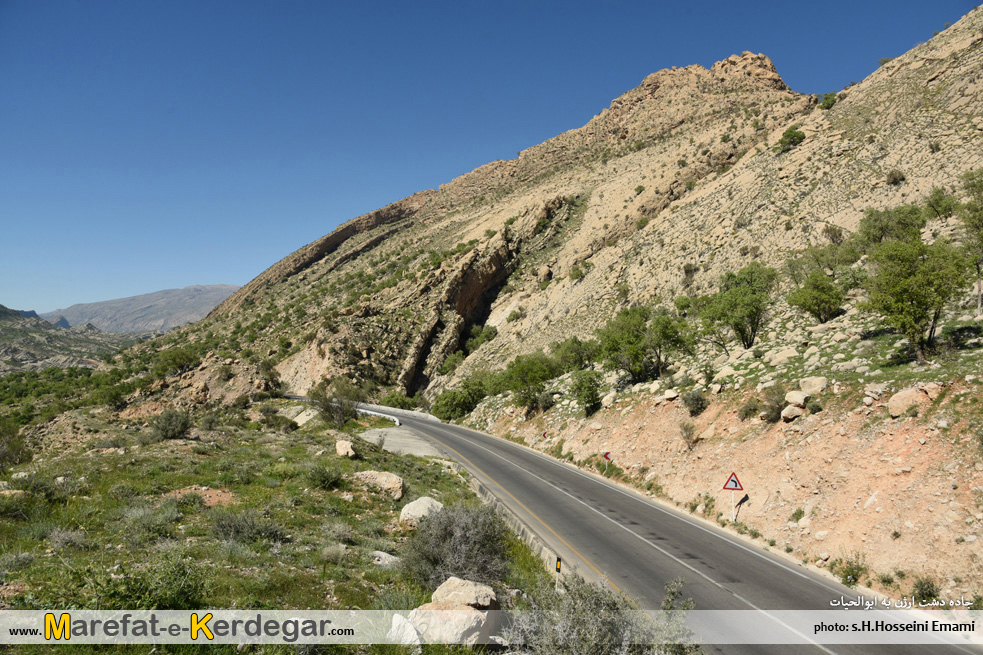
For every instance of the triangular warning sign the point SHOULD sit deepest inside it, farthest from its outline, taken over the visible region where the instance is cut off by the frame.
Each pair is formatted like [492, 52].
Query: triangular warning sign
[733, 483]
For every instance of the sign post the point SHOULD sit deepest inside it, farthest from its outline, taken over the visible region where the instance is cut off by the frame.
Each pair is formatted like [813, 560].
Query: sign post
[734, 485]
[557, 585]
[607, 458]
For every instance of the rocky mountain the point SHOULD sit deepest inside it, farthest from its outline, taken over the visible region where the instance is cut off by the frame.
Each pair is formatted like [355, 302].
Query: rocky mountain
[675, 183]
[29, 343]
[151, 312]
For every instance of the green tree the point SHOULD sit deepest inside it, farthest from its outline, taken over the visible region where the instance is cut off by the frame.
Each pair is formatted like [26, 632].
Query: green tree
[818, 296]
[337, 401]
[574, 354]
[903, 223]
[829, 99]
[624, 343]
[585, 388]
[940, 204]
[743, 300]
[666, 337]
[971, 215]
[792, 137]
[911, 285]
[526, 377]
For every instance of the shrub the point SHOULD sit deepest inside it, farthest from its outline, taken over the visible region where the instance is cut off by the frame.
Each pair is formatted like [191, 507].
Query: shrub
[589, 618]
[148, 524]
[452, 362]
[467, 541]
[818, 296]
[850, 569]
[13, 450]
[774, 403]
[642, 222]
[576, 272]
[696, 402]
[895, 177]
[244, 526]
[750, 409]
[797, 515]
[688, 430]
[791, 138]
[545, 400]
[585, 388]
[515, 315]
[397, 400]
[208, 421]
[925, 589]
[829, 100]
[323, 477]
[171, 424]
[814, 407]
[170, 583]
[60, 538]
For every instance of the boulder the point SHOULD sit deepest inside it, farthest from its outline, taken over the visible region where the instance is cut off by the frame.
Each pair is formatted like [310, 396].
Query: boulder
[791, 413]
[413, 512]
[456, 591]
[813, 386]
[902, 401]
[797, 398]
[932, 390]
[609, 399]
[345, 449]
[445, 623]
[725, 372]
[544, 274]
[670, 394]
[384, 560]
[388, 483]
[782, 356]
[12, 493]
[402, 632]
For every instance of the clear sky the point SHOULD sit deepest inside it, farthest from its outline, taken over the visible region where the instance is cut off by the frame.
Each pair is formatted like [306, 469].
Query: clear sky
[153, 145]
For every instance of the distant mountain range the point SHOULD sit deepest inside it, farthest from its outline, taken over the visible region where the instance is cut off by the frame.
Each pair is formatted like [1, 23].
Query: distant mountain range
[152, 312]
[28, 343]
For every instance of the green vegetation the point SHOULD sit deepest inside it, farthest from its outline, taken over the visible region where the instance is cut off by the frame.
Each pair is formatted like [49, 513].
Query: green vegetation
[819, 296]
[911, 285]
[170, 424]
[640, 343]
[791, 138]
[584, 388]
[467, 541]
[829, 99]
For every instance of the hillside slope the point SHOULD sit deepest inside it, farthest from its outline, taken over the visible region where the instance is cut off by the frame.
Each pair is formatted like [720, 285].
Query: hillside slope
[31, 344]
[676, 175]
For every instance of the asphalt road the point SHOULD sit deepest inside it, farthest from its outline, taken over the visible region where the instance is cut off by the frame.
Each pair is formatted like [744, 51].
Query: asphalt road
[613, 534]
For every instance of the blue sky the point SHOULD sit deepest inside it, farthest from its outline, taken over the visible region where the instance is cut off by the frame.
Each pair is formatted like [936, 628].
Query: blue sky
[152, 145]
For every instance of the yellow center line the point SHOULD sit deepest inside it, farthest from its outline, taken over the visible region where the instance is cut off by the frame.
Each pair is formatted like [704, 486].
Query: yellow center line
[531, 513]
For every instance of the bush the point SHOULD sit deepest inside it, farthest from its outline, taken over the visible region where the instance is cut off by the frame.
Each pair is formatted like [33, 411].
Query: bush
[895, 177]
[925, 589]
[774, 403]
[791, 138]
[589, 618]
[515, 315]
[171, 424]
[688, 430]
[576, 273]
[814, 407]
[460, 540]
[586, 389]
[750, 409]
[244, 526]
[397, 400]
[696, 402]
[545, 400]
[13, 450]
[323, 477]
[851, 569]
[172, 583]
[797, 515]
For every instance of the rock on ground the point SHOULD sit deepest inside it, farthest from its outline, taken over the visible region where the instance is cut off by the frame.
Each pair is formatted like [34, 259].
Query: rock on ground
[413, 512]
[456, 591]
[345, 449]
[388, 483]
[446, 623]
[813, 386]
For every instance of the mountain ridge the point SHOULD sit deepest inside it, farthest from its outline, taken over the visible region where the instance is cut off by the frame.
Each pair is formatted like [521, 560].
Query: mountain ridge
[158, 311]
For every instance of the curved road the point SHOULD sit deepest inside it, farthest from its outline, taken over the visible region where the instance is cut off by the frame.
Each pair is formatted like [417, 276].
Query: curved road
[609, 533]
